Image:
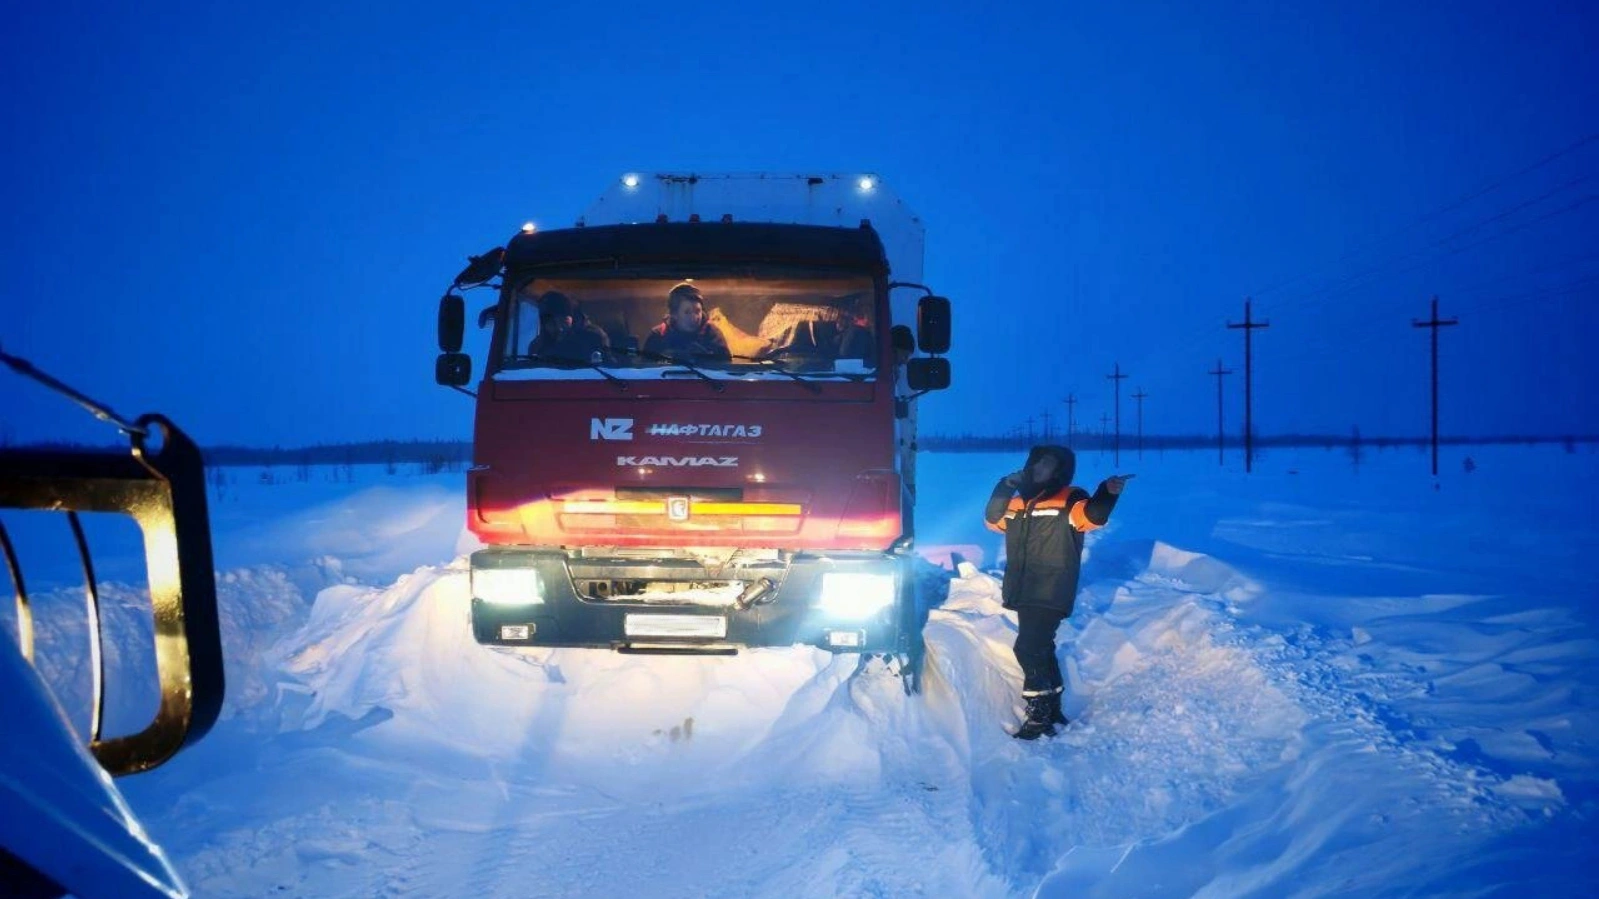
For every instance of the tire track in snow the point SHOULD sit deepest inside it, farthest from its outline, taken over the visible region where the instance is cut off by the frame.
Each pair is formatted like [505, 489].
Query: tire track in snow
[781, 821]
[1172, 714]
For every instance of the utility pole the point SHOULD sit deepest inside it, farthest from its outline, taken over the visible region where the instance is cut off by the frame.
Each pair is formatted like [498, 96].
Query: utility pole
[1117, 378]
[1049, 432]
[1249, 325]
[1139, 396]
[1104, 429]
[1071, 418]
[1221, 446]
[1434, 324]
[1029, 429]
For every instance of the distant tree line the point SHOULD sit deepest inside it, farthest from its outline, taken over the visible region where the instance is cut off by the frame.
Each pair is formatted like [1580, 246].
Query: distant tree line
[431, 455]
[445, 454]
[1094, 440]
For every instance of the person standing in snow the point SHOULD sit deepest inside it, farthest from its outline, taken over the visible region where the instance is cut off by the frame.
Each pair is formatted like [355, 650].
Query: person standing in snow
[1044, 518]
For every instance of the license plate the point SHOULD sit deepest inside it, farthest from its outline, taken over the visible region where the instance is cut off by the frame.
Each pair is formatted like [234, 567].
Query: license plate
[516, 631]
[675, 626]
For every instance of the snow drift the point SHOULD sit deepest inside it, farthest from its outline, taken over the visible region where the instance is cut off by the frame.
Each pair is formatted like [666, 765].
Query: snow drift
[1253, 714]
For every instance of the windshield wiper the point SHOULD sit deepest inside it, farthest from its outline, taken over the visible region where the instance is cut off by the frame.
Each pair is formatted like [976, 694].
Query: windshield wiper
[718, 386]
[621, 385]
[769, 365]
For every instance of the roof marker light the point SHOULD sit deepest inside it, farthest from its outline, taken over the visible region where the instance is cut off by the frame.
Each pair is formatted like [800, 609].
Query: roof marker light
[866, 182]
[630, 181]
[529, 227]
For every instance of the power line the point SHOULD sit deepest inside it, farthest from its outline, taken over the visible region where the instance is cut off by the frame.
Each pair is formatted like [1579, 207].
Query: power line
[1315, 301]
[1378, 268]
[1450, 206]
[1320, 348]
[1567, 150]
[1357, 343]
[1515, 276]
[1430, 216]
[1545, 292]
[1568, 208]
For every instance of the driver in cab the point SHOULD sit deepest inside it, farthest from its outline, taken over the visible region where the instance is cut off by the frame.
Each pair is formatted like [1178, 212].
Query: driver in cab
[686, 334]
[563, 336]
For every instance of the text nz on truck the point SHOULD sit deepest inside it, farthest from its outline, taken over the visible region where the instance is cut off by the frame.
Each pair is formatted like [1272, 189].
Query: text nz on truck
[737, 473]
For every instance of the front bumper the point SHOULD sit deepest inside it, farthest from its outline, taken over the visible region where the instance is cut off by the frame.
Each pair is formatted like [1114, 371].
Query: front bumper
[791, 613]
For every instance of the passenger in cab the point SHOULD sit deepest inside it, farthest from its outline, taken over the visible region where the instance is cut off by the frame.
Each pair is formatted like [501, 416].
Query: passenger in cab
[855, 341]
[686, 334]
[564, 336]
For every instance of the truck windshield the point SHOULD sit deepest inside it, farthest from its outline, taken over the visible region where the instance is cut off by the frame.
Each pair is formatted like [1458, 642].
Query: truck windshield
[747, 326]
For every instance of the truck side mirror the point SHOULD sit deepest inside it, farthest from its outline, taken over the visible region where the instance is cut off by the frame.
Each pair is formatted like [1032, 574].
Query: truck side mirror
[927, 374]
[453, 369]
[932, 324]
[452, 322]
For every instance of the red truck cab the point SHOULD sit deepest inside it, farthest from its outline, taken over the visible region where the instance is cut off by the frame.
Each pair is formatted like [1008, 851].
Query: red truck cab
[730, 468]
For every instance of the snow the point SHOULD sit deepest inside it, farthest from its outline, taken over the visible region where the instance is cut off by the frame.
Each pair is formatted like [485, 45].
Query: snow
[61, 811]
[1309, 681]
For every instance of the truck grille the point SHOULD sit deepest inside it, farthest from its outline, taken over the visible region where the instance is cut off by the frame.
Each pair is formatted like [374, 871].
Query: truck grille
[668, 581]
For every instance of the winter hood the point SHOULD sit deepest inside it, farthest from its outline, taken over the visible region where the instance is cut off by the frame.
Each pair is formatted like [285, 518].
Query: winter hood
[1065, 468]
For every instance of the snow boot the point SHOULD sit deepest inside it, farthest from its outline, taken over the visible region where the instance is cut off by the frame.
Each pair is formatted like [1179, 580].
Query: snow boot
[1055, 715]
[1038, 723]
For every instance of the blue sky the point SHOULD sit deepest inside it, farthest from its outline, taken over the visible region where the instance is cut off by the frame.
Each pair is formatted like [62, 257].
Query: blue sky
[243, 216]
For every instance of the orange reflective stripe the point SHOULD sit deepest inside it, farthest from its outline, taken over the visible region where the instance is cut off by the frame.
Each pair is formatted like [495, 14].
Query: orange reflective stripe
[1079, 517]
[658, 507]
[1015, 505]
[613, 507]
[745, 508]
[1056, 501]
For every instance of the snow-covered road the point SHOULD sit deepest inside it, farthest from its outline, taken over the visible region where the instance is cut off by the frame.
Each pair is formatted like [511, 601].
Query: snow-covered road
[1276, 689]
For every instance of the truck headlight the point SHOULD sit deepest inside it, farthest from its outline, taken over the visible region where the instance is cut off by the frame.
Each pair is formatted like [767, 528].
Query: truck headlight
[853, 596]
[507, 586]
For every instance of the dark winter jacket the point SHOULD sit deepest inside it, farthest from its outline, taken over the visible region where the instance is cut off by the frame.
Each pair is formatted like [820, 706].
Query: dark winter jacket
[1044, 526]
[577, 344]
[706, 344]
